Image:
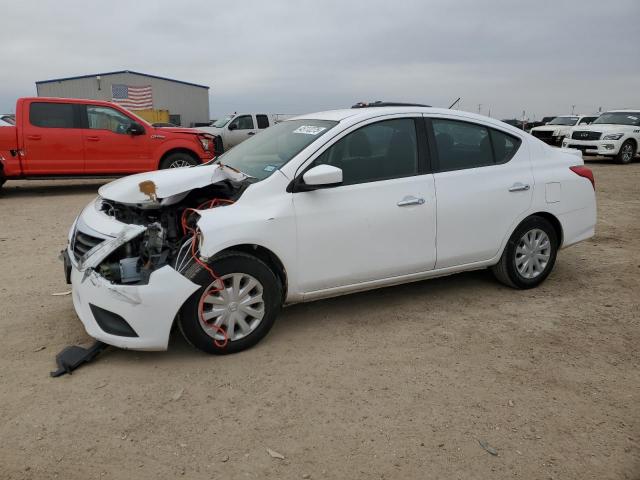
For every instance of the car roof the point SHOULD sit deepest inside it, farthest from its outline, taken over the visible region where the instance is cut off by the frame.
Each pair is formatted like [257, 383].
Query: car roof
[626, 110]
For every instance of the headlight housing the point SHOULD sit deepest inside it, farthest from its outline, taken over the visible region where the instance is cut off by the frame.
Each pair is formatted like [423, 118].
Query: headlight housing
[613, 136]
[206, 141]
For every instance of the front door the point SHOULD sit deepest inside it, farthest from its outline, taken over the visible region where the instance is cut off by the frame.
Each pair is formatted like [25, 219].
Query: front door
[484, 184]
[109, 147]
[380, 222]
[52, 139]
[239, 129]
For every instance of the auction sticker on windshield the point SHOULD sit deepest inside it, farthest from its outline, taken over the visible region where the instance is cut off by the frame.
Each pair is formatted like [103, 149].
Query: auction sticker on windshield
[309, 130]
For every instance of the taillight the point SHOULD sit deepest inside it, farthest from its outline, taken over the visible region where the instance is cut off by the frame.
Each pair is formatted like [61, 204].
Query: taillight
[584, 172]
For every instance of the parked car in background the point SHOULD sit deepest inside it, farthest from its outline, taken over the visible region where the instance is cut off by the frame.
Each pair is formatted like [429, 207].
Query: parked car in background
[4, 123]
[317, 206]
[557, 129]
[614, 134]
[546, 120]
[164, 125]
[8, 118]
[56, 137]
[238, 127]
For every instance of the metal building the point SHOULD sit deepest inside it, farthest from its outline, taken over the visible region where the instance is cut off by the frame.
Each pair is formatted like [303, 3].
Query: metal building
[156, 99]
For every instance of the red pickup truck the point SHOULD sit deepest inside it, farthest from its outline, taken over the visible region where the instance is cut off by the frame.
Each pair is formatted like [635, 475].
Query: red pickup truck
[63, 138]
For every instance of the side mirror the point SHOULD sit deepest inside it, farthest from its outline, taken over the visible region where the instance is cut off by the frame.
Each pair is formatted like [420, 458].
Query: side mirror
[233, 126]
[321, 176]
[135, 129]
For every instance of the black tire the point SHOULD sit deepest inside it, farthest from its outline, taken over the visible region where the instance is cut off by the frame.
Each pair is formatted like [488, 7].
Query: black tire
[627, 152]
[506, 271]
[228, 263]
[178, 159]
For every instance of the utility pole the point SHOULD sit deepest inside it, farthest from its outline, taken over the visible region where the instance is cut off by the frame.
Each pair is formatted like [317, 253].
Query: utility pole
[523, 120]
[573, 109]
[479, 107]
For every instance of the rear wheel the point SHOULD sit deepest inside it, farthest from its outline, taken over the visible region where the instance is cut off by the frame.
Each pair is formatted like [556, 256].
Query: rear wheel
[178, 159]
[627, 152]
[235, 312]
[529, 255]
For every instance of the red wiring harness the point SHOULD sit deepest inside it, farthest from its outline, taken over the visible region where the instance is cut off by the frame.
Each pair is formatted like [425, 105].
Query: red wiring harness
[218, 284]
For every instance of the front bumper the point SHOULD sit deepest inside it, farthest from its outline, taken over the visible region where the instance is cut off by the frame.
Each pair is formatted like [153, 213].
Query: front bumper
[594, 147]
[148, 309]
[143, 314]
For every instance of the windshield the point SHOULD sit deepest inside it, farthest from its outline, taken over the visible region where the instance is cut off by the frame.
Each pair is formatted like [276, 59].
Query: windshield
[564, 121]
[619, 118]
[273, 147]
[222, 122]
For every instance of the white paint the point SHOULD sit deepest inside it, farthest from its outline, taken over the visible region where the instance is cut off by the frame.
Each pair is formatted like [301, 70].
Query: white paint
[349, 238]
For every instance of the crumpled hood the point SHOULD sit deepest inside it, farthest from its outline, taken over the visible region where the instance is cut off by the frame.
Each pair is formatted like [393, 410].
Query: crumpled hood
[153, 189]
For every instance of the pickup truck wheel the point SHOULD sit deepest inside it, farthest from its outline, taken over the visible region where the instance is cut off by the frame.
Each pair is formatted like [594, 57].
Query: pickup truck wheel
[233, 313]
[529, 255]
[626, 153]
[178, 160]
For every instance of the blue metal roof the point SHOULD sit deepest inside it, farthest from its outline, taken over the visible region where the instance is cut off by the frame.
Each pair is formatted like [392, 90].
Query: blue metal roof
[119, 72]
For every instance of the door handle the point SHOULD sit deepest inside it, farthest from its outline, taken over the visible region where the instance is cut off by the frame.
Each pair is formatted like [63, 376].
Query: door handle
[34, 137]
[519, 187]
[93, 139]
[251, 133]
[410, 200]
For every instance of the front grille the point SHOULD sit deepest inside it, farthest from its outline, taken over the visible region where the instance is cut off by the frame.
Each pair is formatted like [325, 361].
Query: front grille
[586, 135]
[83, 242]
[542, 133]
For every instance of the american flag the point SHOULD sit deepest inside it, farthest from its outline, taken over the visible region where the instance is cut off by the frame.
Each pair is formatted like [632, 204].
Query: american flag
[133, 98]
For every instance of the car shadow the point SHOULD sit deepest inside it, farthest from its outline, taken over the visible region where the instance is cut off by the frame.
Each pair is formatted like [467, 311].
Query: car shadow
[332, 312]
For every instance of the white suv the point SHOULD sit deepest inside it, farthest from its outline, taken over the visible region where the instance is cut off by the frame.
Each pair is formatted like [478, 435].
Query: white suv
[614, 134]
[557, 129]
[317, 206]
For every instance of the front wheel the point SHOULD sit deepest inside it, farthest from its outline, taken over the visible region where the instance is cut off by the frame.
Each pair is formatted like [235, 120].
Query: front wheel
[177, 160]
[529, 255]
[235, 312]
[626, 153]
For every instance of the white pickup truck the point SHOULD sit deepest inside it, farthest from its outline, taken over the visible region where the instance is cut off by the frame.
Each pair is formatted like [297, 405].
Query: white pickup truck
[613, 134]
[237, 127]
[557, 129]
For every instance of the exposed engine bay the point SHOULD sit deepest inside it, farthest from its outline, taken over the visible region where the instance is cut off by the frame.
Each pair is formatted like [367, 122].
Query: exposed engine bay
[171, 236]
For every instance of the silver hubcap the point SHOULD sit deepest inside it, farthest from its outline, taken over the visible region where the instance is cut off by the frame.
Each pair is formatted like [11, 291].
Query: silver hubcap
[627, 152]
[237, 307]
[179, 163]
[533, 253]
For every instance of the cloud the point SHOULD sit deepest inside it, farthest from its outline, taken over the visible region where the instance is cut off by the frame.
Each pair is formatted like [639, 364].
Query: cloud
[285, 56]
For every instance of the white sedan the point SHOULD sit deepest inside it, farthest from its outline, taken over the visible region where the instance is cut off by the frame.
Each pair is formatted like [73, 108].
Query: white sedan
[321, 205]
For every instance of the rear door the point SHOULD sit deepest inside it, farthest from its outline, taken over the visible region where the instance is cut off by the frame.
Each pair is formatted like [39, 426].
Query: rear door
[262, 121]
[380, 222]
[239, 129]
[484, 184]
[52, 139]
[108, 145]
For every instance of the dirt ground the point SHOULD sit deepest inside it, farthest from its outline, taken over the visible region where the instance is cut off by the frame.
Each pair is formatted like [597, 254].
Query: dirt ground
[397, 383]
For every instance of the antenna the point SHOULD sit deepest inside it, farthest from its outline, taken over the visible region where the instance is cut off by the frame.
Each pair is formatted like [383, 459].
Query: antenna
[454, 103]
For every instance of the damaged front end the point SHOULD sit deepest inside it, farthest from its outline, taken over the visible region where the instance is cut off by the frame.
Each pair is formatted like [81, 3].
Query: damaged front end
[128, 249]
[159, 222]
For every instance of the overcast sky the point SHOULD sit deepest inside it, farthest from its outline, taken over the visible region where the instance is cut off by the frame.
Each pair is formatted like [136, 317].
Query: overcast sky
[299, 56]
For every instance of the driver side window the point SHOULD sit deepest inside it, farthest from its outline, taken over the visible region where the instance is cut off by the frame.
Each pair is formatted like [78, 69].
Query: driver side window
[379, 151]
[105, 118]
[243, 122]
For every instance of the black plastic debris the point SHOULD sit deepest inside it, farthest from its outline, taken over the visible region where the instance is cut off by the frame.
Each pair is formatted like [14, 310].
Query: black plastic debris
[74, 356]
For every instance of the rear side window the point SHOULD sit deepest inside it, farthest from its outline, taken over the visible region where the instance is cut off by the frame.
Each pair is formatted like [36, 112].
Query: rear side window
[505, 146]
[263, 121]
[463, 145]
[378, 151]
[51, 115]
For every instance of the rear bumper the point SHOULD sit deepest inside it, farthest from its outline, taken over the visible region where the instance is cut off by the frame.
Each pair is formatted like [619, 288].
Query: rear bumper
[594, 147]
